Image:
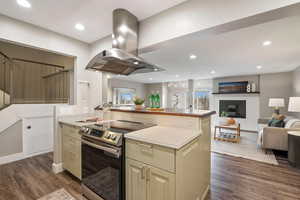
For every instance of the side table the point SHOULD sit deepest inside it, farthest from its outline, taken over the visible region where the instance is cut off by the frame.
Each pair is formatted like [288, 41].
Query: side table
[294, 148]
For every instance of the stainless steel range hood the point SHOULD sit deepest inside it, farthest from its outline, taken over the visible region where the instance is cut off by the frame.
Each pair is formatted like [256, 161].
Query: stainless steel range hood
[122, 58]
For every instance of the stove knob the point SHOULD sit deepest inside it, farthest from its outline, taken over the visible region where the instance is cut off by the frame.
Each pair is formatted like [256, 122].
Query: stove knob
[84, 130]
[108, 136]
[113, 137]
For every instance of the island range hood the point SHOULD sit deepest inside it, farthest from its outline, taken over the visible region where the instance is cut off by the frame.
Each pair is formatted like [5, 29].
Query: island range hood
[123, 57]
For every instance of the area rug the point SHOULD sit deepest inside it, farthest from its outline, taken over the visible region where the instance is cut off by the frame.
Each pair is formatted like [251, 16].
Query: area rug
[60, 194]
[246, 148]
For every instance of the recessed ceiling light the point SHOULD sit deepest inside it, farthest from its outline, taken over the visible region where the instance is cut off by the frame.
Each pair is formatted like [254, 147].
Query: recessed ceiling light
[193, 57]
[267, 43]
[24, 3]
[155, 69]
[213, 72]
[258, 67]
[150, 79]
[176, 75]
[136, 62]
[79, 27]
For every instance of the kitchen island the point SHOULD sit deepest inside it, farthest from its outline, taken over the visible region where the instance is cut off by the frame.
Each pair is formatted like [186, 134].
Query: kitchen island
[168, 161]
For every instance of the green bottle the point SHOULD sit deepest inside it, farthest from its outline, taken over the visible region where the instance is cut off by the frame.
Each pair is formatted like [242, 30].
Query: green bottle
[151, 100]
[157, 100]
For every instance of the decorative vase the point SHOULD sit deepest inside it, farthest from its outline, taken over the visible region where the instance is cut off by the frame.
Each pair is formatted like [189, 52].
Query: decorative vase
[253, 87]
[138, 107]
[249, 87]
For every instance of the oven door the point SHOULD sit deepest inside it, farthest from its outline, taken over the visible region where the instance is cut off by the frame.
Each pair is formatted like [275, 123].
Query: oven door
[102, 174]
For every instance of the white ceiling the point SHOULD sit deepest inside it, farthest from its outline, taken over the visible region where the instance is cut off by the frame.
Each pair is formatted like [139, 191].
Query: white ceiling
[96, 15]
[229, 54]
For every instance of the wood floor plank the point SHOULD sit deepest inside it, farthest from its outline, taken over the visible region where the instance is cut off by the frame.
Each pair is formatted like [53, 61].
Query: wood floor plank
[232, 179]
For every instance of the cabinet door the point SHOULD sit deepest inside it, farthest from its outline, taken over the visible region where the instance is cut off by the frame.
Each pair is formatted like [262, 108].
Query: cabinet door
[71, 154]
[135, 180]
[160, 184]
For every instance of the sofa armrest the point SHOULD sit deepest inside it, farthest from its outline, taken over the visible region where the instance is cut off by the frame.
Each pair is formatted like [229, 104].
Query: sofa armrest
[275, 138]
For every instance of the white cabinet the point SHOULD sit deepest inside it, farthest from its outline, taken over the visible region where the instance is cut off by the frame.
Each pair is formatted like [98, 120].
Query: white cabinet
[71, 150]
[157, 172]
[161, 184]
[135, 180]
[144, 182]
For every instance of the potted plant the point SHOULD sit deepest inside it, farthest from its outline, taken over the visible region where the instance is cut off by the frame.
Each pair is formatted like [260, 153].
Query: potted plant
[138, 103]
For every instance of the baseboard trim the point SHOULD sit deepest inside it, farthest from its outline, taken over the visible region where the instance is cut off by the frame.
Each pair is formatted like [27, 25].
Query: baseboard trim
[38, 153]
[205, 193]
[57, 168]
[11, 158]
[20, 156]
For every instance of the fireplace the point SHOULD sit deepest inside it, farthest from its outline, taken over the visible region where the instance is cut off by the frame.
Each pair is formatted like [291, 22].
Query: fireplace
[232, 108]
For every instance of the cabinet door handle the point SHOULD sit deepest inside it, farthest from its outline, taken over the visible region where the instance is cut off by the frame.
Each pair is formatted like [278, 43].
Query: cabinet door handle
[148, 174]
[143, 172]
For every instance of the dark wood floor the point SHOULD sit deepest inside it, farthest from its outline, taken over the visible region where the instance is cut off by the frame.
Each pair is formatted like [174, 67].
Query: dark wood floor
[232, 178]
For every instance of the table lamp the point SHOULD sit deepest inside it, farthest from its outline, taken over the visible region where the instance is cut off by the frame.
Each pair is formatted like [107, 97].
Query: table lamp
[294, 104]
[276, 103]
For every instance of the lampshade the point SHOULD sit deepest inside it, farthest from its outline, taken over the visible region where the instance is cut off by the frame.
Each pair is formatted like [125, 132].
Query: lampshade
[276, 102]
[294, 105]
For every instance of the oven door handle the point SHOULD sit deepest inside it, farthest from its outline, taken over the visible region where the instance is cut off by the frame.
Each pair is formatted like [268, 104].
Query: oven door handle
[115, 152]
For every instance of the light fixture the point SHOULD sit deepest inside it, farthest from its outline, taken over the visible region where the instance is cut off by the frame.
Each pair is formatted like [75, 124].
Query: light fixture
[193, 57]
[79, 27]
[115, 42]
[176, 75]
[136, 62]
[258, 67]
[120, 39]
[24, 3]
[150, 79]
[108, 76]
[123, 29]
[155, 69]
[267, 43]
[213, 72]
[276, 103]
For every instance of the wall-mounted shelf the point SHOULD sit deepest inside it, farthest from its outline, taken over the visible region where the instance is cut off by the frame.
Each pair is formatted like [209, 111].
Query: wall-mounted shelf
[237, 93]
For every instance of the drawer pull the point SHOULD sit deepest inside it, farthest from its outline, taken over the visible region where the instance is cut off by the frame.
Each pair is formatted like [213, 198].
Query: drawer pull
[146, 148]
[148, 174]
[143, 172]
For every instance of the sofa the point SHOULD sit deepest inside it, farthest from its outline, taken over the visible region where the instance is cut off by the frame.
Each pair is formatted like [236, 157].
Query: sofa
[276, 138]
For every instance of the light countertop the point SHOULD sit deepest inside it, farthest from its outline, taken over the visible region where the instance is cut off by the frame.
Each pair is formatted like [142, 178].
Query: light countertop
[72, 120]
[294, 133]
[170, 137]
[168, 111]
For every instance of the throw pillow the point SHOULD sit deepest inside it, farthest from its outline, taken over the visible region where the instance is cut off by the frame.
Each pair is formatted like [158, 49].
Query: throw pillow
[276, 123]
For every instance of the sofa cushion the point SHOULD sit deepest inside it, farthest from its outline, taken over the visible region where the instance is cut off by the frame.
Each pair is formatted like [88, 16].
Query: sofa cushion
[293, 123]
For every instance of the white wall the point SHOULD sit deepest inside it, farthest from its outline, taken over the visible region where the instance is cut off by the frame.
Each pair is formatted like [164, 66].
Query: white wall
[195, 16]
[33, 36]
[296, 86]
[252, 109]
[140, 88]
[278, 85]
